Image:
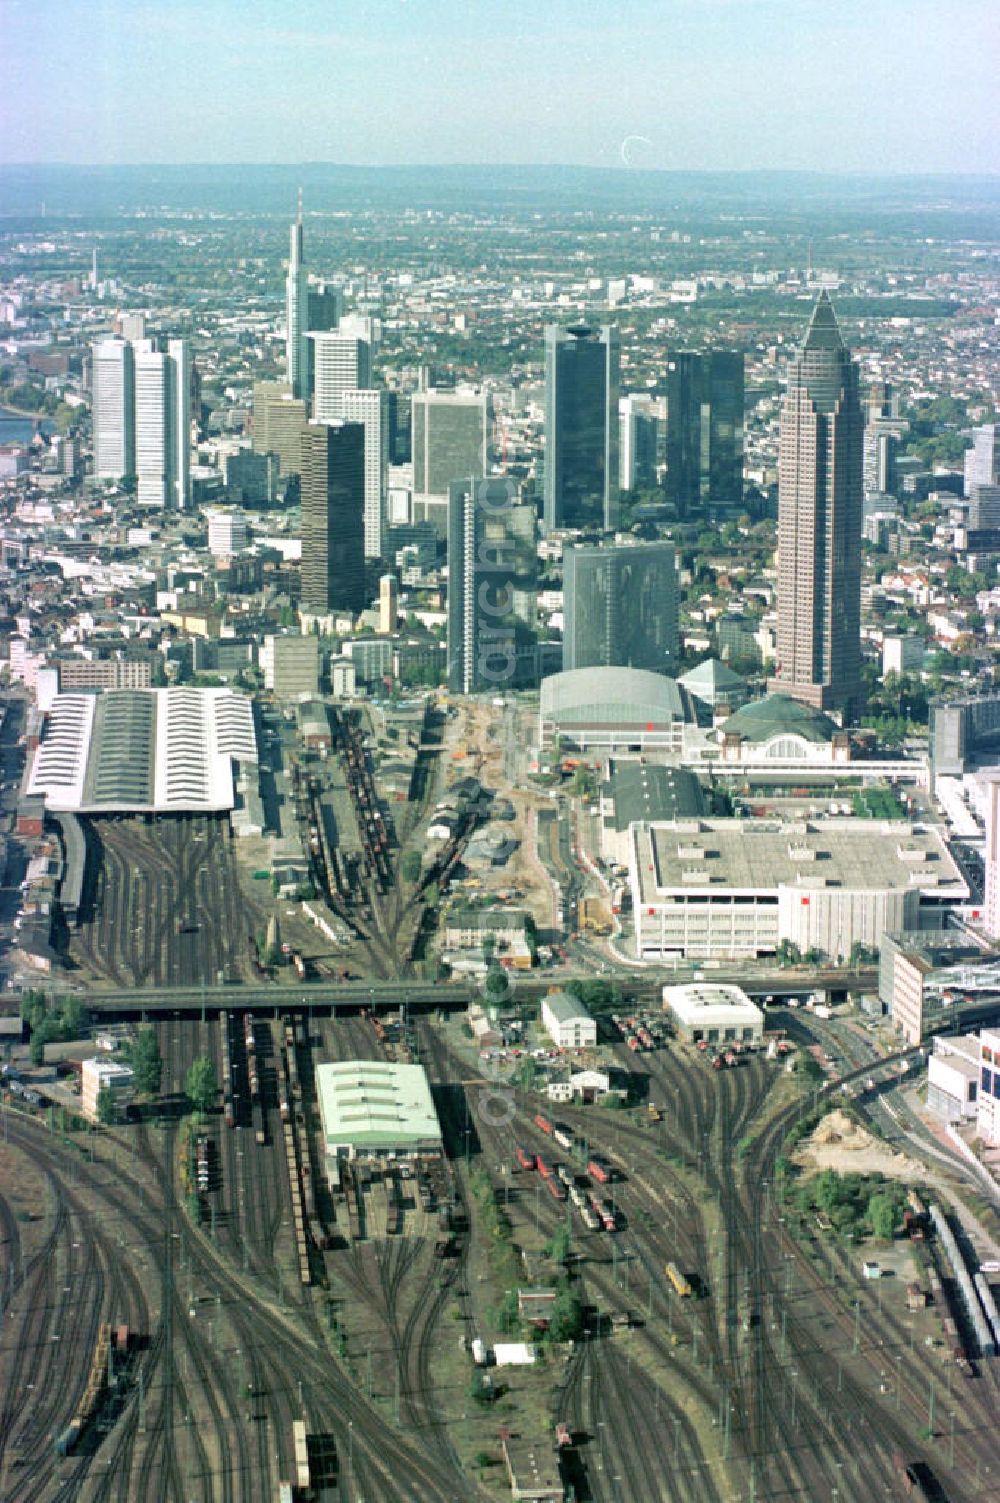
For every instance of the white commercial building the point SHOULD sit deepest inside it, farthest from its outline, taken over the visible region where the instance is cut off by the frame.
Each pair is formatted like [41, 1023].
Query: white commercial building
[991, 916]
[902, 654]
[228, 533]
[988, 1101]
[113, 385]
[163, 425]
[292, 664]
[567, 1022]
[100, 1075]
[369, 408]
[953, 1078]
[342, 361]
[717, 1014]
[733, 888]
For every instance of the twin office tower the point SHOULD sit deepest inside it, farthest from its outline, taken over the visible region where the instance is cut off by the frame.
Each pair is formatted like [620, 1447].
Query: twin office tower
[142, 418]
[704, 448]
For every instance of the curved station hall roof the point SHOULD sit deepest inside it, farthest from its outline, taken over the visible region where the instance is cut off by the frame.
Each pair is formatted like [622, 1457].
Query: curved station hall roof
[614, 696]
[143, 750]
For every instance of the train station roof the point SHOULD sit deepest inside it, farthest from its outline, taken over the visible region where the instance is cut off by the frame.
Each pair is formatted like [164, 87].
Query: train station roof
[374, 1106]
[143, 750]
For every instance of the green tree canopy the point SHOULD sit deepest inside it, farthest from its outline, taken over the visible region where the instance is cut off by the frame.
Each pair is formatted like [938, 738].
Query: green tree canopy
[107, 1109]
[200, 1084]
[147, 1062]
[497, 985]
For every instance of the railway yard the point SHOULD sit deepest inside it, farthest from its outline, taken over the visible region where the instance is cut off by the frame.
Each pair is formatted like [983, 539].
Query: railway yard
[209, 1308]
[186, 1297]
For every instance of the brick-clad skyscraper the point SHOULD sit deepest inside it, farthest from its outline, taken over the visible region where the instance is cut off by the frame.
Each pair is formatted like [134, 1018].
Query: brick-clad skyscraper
[819, 523]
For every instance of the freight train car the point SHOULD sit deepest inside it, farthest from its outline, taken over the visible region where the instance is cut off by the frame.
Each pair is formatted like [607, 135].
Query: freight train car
[679, 1282]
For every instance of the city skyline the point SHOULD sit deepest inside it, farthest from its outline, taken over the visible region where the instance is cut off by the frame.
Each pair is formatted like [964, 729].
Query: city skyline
[830, 96]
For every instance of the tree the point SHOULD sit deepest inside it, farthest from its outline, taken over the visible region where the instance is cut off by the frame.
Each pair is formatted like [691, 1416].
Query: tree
[566, 1319]
[497, 985]
[882, 1215]
[557, 1247]
[107, 1111]
[788, 953]
[147, 1062]
[584, 784]
[74, 1018]
[410, 866]
[200, 1084]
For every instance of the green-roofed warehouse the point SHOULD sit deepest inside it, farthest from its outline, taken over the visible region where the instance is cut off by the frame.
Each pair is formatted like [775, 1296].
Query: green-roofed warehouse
[371, 1108]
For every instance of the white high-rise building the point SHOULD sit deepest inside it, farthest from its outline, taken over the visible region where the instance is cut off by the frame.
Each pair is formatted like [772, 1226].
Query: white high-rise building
[639, 417]
[991, 917]
[163, 424]
[982, 461]
[228, 533]
[296, 311]
[370, 409]
[113, 384]
[180, 359]
[342, 361]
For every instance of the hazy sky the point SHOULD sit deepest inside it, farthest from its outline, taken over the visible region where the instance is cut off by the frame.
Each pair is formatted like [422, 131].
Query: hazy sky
[897, 85]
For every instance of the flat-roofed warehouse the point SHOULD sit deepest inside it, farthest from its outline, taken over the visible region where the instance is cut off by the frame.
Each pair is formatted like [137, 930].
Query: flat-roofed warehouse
[143, 751]
[718, 1014]
[734, 887]
[376, 1109]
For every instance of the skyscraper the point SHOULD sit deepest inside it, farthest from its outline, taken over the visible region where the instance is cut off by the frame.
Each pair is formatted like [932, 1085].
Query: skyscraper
[163, 424]
[333, 517]
[640, 427]
[296, 311]
[581, 427]
[450, 442]
[620, 606]
[705, 433]
[341, 361]
[113, 387]
[324, 309]
[492, 580]
[982, 461]
[883, 430]
[279, 420]
[818, 656]
[369, 409]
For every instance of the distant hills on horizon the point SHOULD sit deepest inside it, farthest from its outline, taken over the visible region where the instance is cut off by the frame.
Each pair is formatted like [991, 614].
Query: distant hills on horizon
[100, 191]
